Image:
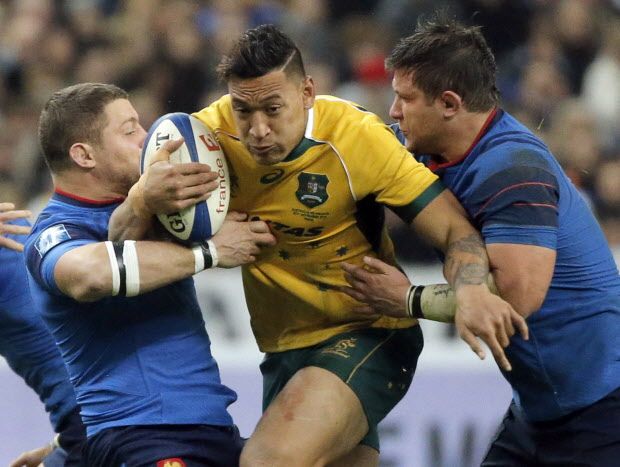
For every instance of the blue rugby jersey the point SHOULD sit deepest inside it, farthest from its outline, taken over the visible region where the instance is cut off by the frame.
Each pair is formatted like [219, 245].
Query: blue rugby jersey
[25, 342]
[516, 192]
[143, 360]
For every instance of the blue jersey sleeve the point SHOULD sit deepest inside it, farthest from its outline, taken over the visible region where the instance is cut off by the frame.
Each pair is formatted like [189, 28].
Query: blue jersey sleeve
[518, 204]
[45, 247]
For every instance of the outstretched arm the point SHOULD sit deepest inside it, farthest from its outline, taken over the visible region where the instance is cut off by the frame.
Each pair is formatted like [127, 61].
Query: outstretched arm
[381, 288]
[94, 271]
[479, 313]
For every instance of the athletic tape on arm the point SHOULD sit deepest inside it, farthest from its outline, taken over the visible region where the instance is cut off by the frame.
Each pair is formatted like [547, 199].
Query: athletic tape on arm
[132, 266]
[116, 279]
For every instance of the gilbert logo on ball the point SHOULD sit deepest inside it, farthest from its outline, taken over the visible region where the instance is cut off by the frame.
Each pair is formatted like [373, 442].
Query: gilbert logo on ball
[201, 221]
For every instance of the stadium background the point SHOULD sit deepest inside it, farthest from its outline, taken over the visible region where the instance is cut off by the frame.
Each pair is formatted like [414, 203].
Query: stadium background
[559, 72]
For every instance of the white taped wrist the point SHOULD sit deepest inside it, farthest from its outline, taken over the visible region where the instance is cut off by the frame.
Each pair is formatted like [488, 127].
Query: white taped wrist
[438, 303]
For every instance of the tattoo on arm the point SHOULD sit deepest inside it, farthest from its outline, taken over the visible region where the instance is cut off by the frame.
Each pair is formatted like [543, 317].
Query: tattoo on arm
[466, 262]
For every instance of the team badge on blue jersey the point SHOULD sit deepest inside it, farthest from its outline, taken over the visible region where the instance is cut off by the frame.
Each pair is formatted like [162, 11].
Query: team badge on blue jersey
[312, 190]
[51, 237]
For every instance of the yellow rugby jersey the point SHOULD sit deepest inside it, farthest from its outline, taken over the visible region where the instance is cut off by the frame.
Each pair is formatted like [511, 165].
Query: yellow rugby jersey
[322, 204]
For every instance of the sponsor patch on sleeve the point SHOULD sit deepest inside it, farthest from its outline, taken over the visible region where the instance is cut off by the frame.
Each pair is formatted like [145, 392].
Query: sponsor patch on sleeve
[51, 237]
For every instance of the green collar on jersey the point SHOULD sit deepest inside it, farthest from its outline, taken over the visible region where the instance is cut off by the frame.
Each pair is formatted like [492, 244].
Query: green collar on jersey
[302, 147]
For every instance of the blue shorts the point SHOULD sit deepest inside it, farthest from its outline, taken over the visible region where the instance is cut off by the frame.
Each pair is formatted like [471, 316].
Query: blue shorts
[165, 446]
[72, 438]
[588, 437]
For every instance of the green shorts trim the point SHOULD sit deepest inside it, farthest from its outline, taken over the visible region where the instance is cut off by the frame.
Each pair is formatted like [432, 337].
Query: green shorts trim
[377, 364]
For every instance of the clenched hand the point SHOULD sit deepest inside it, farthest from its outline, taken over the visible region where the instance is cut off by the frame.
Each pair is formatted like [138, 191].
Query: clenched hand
[239, 241]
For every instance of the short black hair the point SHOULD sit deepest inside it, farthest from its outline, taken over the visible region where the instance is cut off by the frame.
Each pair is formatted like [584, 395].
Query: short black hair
[260, 51]
[442, 55]
[74, 114]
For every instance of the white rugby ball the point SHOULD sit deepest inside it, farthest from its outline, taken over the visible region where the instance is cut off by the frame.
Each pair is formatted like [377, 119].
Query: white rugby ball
[201, 221]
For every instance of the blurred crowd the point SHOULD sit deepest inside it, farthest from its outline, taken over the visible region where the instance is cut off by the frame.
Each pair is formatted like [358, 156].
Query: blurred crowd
[559, 68]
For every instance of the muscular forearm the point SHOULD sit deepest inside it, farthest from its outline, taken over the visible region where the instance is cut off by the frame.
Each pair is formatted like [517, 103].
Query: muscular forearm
[466, 261]
[444, 225]
[131, 220]
[124, 225]
[86, 274]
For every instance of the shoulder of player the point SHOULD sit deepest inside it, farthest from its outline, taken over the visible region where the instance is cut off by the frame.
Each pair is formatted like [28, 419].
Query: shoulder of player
[219, 116]
[76, 213]
[506, 154]
[334, 118]
[505, 168]
[513, 139]
[333, 111]
[51, 229]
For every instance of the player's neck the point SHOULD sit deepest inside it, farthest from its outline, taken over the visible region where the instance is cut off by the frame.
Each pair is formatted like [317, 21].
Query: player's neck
[86, 187]
[464, 133]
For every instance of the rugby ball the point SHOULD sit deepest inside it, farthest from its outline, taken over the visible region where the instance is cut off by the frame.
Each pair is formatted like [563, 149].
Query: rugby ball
[201, 221]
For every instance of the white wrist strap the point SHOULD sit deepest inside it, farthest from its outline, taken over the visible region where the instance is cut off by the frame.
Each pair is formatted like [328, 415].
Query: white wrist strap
[130, 257]
[205, 256]
[199, 260]
[213, 251]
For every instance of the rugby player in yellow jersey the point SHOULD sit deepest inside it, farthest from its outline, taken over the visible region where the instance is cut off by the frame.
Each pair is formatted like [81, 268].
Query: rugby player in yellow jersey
[319, 170]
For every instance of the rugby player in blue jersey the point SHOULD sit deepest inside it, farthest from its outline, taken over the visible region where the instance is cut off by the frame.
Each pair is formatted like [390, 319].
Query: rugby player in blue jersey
[30, 350]
[548, 256]
[125, 314]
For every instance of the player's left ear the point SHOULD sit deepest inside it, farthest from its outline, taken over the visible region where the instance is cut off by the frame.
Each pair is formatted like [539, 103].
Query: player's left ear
[82, 155]
[451, 103]
[309, 92]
